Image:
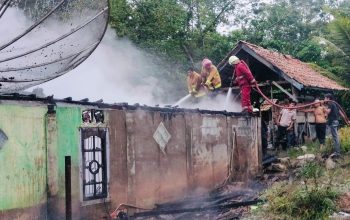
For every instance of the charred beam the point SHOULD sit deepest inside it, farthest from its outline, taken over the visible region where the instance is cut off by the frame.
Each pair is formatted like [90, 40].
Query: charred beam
[198, 209]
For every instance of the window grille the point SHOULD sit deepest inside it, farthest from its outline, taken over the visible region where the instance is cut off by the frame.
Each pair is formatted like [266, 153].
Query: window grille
[93, 142]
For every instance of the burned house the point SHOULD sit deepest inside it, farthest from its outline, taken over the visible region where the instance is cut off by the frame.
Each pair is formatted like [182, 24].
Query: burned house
[280, 76]
[72, 159]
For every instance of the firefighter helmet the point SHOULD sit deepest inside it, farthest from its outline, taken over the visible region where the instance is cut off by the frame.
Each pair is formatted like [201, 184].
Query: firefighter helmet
[233, 60]
[206, 63]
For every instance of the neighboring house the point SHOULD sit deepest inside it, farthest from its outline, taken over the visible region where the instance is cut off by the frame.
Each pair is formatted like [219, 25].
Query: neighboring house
[280, 76]
[74, 159]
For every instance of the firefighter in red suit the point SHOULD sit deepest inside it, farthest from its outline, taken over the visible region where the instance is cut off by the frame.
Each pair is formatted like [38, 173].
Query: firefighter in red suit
[244, 78]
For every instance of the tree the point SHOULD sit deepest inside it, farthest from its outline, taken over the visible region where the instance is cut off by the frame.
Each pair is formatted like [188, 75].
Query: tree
[180, 29]
[286, 25]
[339, 31]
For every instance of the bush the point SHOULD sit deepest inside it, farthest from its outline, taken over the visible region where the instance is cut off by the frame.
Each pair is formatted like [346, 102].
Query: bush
[317, 203]
[344, 134]
[311, 200]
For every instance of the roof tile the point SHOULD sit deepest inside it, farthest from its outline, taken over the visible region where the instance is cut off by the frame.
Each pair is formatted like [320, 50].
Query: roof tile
[295, 69]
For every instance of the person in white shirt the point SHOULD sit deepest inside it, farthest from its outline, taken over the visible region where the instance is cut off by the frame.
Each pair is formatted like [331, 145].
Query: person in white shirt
[285, 124]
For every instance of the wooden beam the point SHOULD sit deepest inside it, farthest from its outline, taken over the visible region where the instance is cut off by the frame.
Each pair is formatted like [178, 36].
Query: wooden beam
[275, 69]
[224, 62]
[285, 91]
[263, 84]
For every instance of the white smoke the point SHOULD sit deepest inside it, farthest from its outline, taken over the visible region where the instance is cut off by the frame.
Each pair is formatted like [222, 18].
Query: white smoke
[116, 72]
[45, 62]
[217, 103]
[120, 72]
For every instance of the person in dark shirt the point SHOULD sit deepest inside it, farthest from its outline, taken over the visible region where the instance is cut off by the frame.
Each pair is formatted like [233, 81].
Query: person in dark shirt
[333, 122]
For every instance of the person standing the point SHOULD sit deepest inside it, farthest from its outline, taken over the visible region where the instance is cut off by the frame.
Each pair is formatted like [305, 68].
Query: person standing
[285, 122]
[333, 122]
[244, 78]
[320, 113]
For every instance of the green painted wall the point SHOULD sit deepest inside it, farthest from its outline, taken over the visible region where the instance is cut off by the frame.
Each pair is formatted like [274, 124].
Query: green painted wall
[68, 123]
[23, 158]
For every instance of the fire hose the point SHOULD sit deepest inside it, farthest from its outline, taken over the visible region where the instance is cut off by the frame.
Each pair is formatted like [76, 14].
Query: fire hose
[342, 112]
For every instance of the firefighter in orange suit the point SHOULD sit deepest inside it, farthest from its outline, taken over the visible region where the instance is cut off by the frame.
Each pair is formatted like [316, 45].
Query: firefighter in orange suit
[194, 83]
[212, 77]
[244, 78]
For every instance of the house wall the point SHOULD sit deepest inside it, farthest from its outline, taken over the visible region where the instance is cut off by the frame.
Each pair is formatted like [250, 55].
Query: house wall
[204, 150]
[23, 162]
[65, 142]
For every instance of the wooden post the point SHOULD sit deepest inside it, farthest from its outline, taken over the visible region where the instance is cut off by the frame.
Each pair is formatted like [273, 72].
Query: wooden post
[68, 188]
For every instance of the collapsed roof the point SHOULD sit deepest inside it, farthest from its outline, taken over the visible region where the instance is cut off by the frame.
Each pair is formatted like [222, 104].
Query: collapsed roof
[270, 65]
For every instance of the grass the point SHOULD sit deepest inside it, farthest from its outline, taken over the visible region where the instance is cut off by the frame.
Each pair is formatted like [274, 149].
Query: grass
[314, 192]
[344, 134]
[309, 197]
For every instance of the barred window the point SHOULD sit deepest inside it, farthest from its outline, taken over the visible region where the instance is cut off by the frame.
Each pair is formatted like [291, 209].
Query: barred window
[93, 143]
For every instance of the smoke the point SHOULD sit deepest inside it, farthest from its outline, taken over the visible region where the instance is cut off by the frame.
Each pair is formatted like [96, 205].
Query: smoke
[117, 71]
[54, 46]
[217, 103]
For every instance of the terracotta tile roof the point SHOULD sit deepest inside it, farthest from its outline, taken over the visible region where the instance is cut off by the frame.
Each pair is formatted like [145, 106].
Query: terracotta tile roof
[295, 69]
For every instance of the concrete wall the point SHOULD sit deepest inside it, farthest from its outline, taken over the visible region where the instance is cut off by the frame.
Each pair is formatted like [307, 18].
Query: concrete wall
[203, 151]
[23, 162]
[65, 138]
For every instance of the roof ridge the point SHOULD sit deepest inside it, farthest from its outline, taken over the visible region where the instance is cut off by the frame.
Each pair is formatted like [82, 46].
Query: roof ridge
[288, 56]
[295, 68]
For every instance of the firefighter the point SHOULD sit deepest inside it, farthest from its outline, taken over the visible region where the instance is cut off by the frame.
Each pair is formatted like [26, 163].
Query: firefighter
[244, 78]
[212, 79]
[194, 83]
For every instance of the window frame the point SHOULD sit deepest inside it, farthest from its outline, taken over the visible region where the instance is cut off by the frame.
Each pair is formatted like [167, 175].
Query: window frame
[103, 134]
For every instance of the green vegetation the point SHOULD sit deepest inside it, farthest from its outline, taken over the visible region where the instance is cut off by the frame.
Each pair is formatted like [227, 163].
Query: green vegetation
[314, 188]
[182, 32]
[344, 134]
[314, 198]
[295, 152]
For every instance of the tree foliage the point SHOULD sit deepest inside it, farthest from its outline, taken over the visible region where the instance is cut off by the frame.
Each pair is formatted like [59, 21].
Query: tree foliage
[185, 31]
[180, 29]
[338, 32]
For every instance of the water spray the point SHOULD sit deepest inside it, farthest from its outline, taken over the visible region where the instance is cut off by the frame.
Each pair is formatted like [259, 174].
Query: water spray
[182, 100]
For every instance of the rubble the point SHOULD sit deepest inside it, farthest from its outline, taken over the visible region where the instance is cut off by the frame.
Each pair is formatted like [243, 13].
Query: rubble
[232, 201]
[278, 167]
[344, 202]
[304, 148]
[330, 164]
[285, 161]
[305, 158]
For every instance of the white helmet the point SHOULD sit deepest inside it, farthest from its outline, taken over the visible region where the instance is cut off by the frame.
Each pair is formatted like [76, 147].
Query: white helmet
[233, 60]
